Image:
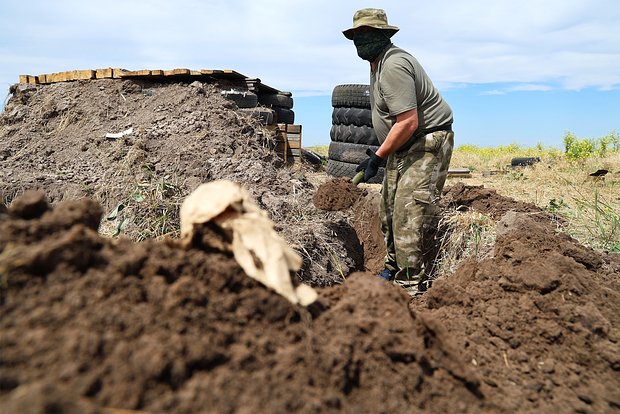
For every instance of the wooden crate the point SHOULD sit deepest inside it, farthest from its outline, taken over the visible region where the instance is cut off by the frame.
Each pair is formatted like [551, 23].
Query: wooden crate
[288, 141]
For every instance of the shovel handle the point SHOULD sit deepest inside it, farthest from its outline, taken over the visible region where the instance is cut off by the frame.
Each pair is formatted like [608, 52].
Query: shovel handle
[358, 178]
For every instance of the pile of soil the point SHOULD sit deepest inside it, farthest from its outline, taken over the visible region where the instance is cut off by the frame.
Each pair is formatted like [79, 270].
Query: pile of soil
[463, 197]
[337, 194]
[538, 320]
[53, 138]
[89, 321]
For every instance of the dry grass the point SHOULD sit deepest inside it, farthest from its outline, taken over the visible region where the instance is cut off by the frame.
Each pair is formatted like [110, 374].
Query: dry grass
[589, 205]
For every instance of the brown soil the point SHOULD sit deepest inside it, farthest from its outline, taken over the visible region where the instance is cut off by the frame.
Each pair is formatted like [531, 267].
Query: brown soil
[539, 320]
[52, 138]
[152, 326]
[368, 227]
[484, 200]
[337, 194]
[91, 323]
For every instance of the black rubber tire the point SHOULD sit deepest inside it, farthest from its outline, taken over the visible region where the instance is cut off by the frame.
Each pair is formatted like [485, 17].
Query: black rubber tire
[345, 169]
[243, 99]
[354, 134]
[524, 161]
[276, 100]
[347, 152]
[354, 95]
[352, 116]
[284, 116]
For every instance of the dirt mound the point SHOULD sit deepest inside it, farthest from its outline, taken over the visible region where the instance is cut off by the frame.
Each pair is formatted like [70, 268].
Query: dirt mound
[337, 194]
[90, 321]
[538, 320]
[483, 200]
[53, 138]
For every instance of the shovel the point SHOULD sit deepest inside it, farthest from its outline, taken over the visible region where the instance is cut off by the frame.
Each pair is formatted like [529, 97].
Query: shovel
[358, 178]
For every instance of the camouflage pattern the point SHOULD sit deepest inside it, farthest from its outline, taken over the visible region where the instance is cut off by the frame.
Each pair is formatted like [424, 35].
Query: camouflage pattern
[375, 18]
[412, 186]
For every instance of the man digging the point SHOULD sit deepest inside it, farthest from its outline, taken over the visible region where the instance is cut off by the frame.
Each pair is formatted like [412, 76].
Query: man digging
[414, 126]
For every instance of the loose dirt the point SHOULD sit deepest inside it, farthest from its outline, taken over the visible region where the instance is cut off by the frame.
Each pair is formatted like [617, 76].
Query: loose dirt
[95, 323]
[337, 194]
[484, 200]
[52, 138]
[539, 320]
[153, 326]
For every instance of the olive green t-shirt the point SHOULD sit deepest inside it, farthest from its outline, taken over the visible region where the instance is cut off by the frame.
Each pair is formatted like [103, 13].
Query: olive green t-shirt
[400, 84]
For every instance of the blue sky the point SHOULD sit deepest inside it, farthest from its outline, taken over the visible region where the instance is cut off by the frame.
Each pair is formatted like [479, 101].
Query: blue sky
[521, 71]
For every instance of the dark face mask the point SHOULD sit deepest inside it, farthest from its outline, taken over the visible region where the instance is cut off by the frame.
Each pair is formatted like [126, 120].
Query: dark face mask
[370, 44]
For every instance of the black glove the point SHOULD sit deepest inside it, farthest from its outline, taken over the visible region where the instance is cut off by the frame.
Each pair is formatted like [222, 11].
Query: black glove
[370, 166]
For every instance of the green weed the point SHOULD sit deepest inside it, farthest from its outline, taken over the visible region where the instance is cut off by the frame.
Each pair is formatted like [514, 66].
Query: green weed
[581, 148]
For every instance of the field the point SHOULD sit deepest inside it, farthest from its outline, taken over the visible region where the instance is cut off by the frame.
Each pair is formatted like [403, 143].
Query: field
[105, 308]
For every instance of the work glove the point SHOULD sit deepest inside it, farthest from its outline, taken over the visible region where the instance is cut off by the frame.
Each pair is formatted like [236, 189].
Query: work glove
[370, 166]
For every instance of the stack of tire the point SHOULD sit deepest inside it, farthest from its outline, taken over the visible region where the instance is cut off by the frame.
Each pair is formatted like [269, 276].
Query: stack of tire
[351, 132]
[270, 108]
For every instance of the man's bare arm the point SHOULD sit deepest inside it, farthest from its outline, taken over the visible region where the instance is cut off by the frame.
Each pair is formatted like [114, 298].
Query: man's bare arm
[403, 129]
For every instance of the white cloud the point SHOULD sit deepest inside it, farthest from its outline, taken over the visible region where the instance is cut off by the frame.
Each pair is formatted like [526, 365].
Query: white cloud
[298, 45]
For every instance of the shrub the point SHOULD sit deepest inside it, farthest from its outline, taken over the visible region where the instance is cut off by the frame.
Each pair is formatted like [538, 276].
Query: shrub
[582, 148]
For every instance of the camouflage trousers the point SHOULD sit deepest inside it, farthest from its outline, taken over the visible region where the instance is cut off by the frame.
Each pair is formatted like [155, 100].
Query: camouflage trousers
[412, 185]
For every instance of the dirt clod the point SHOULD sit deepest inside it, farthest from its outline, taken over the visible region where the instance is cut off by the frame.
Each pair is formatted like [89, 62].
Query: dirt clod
[337, 194]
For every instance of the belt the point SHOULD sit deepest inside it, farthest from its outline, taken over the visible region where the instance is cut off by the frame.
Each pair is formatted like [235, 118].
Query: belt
[422, 132]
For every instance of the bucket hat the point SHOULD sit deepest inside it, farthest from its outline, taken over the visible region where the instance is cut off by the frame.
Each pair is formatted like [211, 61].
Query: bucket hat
[375, 18]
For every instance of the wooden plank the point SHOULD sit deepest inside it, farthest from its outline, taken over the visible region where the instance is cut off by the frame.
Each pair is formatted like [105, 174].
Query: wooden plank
[105, 73]
[294, 144]
[57, 77]
[83, 74]
[459, 171]
[117, 73]
[70, 76]
[292, 136]
[175, 72]
[295, 129]
[136, 73]
[223, 74]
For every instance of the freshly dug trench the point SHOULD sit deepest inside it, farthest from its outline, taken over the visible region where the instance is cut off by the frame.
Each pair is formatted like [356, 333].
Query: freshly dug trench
[343, 193]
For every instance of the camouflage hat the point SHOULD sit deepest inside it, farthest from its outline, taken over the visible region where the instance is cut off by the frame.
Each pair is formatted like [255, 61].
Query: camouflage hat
[370, 18]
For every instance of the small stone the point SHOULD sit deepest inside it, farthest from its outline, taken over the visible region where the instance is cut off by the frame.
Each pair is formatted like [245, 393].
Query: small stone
[547, 366]
[585, 398]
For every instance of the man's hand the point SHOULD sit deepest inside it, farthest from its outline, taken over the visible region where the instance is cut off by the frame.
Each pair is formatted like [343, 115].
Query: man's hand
[370, 166]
